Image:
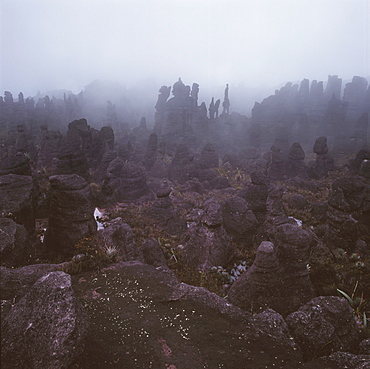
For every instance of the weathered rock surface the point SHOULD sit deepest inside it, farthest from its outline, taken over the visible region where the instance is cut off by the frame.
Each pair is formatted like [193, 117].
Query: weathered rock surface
[46, 328]
[16, 198]
[238, 219]
[160, 323]
[278, 277]
[71, 213]
[295, 166]
[118, 236]
[164, 214]
[323, 325]
[13, 243]
[182, 167]
[348, 212]
[256, 193]
[125, 181]
[153, 254]
[207, 243]
[15, 164]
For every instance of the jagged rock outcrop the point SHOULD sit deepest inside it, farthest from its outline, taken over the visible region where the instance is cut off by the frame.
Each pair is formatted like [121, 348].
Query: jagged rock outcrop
[13, 243]
[71, 213]
[46, 328]
[323, 325]
[207, 243]
[16, 200]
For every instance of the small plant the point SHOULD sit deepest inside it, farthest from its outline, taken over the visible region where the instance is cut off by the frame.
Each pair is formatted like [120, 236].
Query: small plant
[358, 305]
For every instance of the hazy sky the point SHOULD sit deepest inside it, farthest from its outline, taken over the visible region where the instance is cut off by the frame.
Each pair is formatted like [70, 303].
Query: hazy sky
[53, 44]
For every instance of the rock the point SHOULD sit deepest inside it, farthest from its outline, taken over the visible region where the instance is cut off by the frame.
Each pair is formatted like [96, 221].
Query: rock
[207, 243]
[345, 360]
[153, 254]
[151, 151]
[46, 328]
[16, 282]
[348, 212]
[16, 164]
[365, 346]
[255, 193]
[13, 243]
[181, 325]
[219, 182]
[182, 167]
[71, 213]
[16, 198]
[238, 220]
[101, 170]
[119, 236]
[297, 201]
[125, 181]
[163, 213]
[278, 278]
[320, 148]
[295, 166]
[208, 157]
[323, 325]
[358, 165]
[261, 285]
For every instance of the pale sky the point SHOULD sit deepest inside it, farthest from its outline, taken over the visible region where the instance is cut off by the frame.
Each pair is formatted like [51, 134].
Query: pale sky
[66, 44]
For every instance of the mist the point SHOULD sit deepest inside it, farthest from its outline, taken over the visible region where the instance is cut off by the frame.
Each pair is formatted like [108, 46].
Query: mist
[254, 45]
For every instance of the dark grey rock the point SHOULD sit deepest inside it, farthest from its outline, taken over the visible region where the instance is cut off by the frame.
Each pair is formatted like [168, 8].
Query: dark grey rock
[71, 213]
[16, 201]
[13, 243]
[153, 254]
[118, 236]
[323, 325]
[46, 328]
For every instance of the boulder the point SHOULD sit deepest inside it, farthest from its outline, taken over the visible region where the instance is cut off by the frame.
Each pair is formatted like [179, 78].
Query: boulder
[16, 282]
[16, 198]
[13, 243]
[46, 328]
[323, 325]
[238, 220]
[153, 254]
